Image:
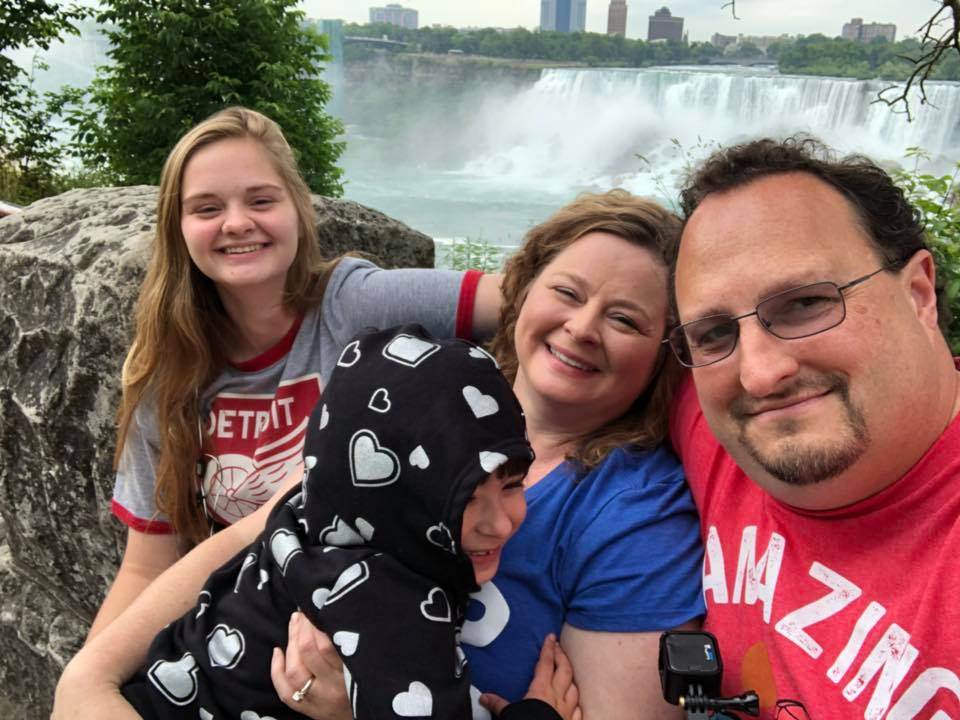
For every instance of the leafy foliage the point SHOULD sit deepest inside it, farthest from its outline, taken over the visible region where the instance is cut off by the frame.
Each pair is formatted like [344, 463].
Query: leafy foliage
[29, 153]
[936, 197]
[472, 254]
[179, 61]
[819, 55]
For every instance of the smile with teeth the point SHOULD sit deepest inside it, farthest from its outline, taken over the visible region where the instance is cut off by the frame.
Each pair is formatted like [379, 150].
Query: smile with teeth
[568, 360]
[242, 249]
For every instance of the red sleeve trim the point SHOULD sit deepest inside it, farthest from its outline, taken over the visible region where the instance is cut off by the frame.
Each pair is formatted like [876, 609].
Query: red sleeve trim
[466, 303]
[270, 356]
[150, 527]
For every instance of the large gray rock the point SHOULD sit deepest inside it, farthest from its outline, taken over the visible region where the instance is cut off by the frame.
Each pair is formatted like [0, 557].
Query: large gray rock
[70, 267]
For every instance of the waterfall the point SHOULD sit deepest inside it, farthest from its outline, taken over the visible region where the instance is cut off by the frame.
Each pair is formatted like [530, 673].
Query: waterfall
[586, 127]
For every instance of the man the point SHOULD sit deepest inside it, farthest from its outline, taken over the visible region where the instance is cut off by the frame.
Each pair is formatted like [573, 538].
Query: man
[829, 487]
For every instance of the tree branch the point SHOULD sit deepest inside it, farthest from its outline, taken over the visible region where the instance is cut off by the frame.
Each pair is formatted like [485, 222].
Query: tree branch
[936, 41]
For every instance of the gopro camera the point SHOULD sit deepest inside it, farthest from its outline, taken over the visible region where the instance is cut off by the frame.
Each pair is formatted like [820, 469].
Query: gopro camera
[689, 660]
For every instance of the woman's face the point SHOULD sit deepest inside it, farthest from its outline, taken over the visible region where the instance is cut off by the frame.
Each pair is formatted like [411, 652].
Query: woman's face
[588, 334]
[237, 217]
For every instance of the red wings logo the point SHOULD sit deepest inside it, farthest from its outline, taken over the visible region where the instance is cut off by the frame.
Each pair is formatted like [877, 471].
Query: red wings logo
[253, 443]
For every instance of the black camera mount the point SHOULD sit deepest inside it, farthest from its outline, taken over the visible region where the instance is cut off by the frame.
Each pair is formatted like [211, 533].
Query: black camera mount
[690, 674]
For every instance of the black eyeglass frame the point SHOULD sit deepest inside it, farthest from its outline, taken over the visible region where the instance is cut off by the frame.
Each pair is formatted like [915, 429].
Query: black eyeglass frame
[735, 320]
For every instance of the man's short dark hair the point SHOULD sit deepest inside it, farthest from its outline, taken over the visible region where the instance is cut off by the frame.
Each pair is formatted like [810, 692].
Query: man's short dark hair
[893, 225]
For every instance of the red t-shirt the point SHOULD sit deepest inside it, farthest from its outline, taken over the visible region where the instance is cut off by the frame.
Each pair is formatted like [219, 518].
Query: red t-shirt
[854, 612]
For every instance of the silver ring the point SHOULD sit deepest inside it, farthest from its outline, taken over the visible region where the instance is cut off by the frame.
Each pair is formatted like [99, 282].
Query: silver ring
[300, 694]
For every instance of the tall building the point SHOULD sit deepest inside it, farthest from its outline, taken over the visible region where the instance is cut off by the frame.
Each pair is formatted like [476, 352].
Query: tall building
[617, 18]
[563, 15]
[395, 15]
[664, 26]
[858, 31]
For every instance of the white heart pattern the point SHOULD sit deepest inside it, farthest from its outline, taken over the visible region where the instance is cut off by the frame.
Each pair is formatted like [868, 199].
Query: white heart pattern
[324, 416]
[409, 350]
[482, 354]
[349, 580]
[284, 545]
[205, 714]
[310, 462]
[490, 461]
[440, 536]
[350, 354]
[436, 607]
[204, 603]
[371, 465]
[225, 646]
[248, 562]
[418, 458]
[253, 715]
[417, 701]
[365, 528]
[346, 641]
[340, 533]
[481, 405]
[176, 681]
[380, 401]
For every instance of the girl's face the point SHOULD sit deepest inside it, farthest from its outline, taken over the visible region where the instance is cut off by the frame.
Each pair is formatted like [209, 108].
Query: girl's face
[491, 518]
[588, 334]
[238, 219]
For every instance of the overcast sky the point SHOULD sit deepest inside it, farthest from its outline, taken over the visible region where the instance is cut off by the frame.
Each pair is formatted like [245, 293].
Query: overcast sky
[702, 18]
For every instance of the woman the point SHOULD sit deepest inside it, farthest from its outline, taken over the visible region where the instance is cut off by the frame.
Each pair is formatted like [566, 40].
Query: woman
[609, 555]
[239, 324]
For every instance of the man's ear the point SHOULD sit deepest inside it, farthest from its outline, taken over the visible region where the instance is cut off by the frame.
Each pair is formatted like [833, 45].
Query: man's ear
[920, 280]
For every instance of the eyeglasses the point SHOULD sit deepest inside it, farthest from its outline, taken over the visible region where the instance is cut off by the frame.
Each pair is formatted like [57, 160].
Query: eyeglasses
[789, 315]
[791, 710]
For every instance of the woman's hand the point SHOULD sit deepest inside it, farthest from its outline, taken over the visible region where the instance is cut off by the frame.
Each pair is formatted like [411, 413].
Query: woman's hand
[552, 683]
[310, 654]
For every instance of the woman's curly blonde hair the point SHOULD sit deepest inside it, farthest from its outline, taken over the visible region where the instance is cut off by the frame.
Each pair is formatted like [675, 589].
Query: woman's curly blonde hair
[639, 221]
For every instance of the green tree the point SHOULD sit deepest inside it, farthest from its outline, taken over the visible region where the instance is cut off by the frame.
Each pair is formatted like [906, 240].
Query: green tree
[178, 61]
[29, 156]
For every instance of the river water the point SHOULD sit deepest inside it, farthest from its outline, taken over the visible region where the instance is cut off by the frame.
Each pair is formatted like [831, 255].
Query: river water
[491, 161]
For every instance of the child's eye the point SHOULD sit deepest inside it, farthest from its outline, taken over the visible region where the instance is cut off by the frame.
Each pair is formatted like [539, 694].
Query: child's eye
[516, 484]
[263, 201]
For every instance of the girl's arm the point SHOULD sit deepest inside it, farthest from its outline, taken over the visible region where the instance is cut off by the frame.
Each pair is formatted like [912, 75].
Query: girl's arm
[91, 681]
[144, 559]
[486, 308]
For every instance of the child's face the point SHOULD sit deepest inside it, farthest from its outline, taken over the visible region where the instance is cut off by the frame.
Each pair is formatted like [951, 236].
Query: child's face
[491, 517]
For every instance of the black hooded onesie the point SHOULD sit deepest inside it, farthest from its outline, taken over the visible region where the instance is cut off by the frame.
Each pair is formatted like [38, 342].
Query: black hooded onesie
[368, 548]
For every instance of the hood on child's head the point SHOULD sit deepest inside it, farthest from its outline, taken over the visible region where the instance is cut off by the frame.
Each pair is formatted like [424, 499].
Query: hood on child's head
[407, 427]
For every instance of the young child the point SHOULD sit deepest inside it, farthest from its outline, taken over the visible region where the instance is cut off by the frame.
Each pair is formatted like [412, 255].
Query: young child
[415, 459]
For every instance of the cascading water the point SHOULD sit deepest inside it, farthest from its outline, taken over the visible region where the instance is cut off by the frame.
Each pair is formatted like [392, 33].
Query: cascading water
[503, 159]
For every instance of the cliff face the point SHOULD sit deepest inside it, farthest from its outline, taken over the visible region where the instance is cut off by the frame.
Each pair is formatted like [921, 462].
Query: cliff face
[432, 69]
[70, 268]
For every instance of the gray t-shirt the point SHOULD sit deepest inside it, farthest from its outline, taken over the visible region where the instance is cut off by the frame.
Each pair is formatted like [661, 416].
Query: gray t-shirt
[254, 416]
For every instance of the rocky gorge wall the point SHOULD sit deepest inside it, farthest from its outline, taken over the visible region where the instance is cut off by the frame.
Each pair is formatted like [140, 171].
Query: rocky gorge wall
[70, 268]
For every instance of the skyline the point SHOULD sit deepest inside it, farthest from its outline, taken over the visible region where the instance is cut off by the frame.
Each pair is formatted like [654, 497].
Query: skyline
[702, 18]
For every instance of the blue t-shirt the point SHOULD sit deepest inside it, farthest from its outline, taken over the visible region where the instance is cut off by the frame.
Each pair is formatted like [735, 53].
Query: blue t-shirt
[619, 550]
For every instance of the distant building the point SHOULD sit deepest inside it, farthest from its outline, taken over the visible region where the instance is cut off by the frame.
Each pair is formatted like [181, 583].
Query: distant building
[563, 15]
[617, 18]
[395, 15]
[664, 26]
[858, 31]
[721, 41]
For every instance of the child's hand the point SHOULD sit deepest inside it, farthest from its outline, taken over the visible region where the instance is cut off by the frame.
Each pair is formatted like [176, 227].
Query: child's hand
[552, 683]
[310, 654]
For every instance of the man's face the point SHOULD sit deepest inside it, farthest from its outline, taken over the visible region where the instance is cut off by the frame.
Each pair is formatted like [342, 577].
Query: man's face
[817, 421]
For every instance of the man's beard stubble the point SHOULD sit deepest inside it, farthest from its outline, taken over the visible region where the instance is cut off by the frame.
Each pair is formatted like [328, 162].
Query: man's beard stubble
[797, 463]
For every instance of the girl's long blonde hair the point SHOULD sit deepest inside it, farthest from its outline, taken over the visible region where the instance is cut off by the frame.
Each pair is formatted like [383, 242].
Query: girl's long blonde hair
[182, 328]
[641, 222]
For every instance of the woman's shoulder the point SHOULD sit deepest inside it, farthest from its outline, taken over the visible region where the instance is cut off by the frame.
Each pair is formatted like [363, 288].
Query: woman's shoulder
[630, 466]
